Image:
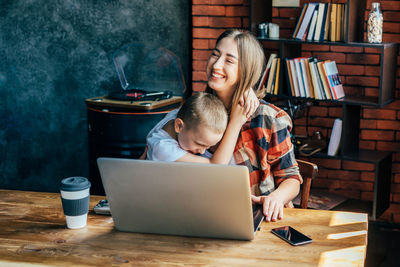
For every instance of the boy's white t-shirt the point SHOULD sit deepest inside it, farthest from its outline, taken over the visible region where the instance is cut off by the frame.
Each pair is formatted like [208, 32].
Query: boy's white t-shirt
[160, 145]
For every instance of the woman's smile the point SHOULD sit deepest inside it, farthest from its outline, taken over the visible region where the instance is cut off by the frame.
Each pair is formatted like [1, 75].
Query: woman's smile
[217, 75]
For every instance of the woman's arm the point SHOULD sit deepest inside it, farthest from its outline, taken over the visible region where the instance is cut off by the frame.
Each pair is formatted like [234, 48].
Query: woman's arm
[239, 115]
[273, 203]
[282, 165]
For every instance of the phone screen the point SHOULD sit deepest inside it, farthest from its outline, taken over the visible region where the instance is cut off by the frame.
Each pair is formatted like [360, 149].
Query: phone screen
[291, 235]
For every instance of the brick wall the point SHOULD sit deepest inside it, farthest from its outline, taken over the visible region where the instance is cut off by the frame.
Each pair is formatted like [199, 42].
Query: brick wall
[380, 128]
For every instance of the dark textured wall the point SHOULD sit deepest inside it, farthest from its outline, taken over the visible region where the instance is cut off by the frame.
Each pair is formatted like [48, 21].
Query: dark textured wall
[54, 55]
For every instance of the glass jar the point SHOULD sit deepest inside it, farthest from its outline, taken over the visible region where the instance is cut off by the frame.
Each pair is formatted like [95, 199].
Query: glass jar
[375, 24]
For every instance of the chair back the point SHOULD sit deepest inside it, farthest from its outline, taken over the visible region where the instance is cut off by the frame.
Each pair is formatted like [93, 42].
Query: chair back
[308, 171]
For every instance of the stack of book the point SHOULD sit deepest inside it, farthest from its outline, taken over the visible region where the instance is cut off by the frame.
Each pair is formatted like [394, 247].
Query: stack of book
[270, 77]
[321, 22]
[308, 77]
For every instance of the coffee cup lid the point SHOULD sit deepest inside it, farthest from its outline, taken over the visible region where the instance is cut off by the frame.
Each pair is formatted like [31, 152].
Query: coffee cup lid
[74, 183]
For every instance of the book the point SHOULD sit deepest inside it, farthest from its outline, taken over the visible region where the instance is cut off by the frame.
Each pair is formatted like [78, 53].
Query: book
[333, 23]
[345, 37]
[339, 22]
[310, 35]
[301, 34]
[327, 22]
[271, 58]
[307, 66]
[277, 76]
[294, 78]
[324, 23]
[334, 142]
[264, 75]
[315, 75]
[334, 79]
[299, 77]
[289, 80]
[343, 30]
[307, 85]
[313, 79]
[332, 95]
[318, 27]
[324, 80]
[296, 29]
[271, 76]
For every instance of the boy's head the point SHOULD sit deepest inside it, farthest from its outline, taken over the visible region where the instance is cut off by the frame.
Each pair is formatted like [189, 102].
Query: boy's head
[200, 122]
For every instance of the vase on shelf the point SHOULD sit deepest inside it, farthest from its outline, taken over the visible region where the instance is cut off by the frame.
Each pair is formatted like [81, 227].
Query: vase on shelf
[375, 24]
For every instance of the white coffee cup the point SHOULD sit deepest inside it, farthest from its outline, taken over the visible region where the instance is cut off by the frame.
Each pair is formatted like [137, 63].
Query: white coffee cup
[273, 30]
[75, 198]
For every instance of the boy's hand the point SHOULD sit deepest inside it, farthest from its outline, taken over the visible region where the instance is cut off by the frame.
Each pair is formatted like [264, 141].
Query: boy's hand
[250, 101]
[144, 155]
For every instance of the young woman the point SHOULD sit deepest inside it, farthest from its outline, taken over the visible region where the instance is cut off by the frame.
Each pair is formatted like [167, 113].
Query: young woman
[264, 144]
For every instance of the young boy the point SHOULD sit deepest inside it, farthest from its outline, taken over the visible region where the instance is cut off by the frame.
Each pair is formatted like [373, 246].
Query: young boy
[198, 125]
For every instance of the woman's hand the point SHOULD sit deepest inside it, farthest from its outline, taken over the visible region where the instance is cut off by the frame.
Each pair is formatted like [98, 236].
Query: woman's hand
[249, 101]
[239, 115]
[273, 203]
[272, 206]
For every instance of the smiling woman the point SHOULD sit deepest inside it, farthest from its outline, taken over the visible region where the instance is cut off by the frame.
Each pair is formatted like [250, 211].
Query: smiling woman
[263, 144]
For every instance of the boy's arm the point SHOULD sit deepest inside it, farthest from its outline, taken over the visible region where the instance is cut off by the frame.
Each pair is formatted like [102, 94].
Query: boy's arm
[239, 115]
[189, 157]
[144, 155]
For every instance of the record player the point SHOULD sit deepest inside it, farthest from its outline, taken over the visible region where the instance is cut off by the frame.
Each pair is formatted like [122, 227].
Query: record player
[152, 84]
[151, 79]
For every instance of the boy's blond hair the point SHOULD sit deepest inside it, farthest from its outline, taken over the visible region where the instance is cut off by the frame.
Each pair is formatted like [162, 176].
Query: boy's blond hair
[205, 110]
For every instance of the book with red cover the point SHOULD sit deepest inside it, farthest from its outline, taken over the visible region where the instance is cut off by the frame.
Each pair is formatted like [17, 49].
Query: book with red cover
[334, 79]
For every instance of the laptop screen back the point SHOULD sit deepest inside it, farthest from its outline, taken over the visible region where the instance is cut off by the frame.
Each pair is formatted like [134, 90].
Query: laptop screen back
[190, 199]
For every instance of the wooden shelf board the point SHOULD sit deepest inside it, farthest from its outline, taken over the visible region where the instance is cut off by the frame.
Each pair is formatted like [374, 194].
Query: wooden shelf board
[351, 100]
[368, 156]
[294, 41]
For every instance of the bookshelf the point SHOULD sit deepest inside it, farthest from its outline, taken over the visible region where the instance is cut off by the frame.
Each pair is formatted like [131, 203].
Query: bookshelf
[355, 99]
[290, 48]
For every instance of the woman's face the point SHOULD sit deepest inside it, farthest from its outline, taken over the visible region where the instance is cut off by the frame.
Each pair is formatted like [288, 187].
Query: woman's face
[223, 66]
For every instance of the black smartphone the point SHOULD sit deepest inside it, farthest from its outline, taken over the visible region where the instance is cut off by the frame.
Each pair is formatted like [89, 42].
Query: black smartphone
[291, 235]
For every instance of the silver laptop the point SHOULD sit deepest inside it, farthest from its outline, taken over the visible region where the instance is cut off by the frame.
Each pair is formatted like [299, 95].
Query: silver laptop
[189, 199]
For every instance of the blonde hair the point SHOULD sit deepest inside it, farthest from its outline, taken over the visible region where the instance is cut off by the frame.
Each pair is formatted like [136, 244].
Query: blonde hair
[251, 62]
[206, 110]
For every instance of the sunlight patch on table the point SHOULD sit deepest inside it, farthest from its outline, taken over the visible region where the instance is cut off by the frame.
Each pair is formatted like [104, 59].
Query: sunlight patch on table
[21, 264]
[346, 235]
[342, 257]
[342, 218]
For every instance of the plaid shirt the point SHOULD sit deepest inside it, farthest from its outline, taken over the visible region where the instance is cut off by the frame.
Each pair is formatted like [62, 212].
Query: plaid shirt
[264, 146]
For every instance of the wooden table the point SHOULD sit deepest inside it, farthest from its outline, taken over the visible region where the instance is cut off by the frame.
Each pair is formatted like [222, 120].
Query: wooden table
[33, 232]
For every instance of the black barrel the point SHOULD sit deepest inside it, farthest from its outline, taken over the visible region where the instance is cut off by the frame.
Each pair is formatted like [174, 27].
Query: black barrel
[116, 134]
